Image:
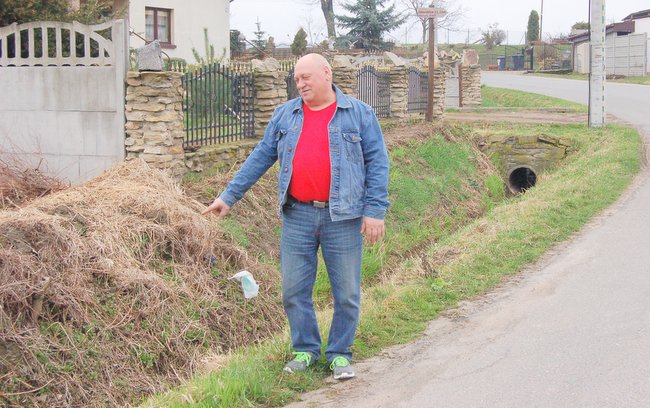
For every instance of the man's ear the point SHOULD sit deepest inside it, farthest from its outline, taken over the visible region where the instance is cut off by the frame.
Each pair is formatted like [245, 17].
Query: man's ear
[328, 73]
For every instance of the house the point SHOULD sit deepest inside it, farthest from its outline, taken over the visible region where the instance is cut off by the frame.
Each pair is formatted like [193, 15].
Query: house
[178, 25]
[641, 21]
[581, 43]
[626, 48]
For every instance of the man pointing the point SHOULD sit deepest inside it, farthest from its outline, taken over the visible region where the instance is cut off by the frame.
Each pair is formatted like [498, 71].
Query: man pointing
[332, 191]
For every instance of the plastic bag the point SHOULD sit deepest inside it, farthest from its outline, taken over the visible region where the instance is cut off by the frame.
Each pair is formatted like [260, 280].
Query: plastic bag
[248, 284]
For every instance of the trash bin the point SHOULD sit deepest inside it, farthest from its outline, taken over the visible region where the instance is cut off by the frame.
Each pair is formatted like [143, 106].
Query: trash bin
[518, 62]
[501, 61]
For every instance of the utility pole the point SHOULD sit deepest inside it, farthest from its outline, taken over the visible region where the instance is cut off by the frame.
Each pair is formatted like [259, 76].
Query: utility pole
[541, 18]
[431, 13]
[597, 73]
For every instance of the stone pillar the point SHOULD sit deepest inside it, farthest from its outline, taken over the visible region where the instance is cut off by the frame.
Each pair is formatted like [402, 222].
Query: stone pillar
[470, 74]
[270, 91]
[471, 85]
[344, 75]
[399, 86]
[439, 87]
[154, 120]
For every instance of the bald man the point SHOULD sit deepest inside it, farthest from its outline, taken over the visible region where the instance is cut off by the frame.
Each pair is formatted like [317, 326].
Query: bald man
[332, 192]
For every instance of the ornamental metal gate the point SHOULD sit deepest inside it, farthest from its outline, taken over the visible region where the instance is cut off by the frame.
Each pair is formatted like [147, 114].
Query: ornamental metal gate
[418, 91]
[292, 90]
[374, 89]
[218, 105]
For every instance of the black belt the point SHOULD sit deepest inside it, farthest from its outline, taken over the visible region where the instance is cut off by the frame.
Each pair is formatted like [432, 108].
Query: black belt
[314, 203]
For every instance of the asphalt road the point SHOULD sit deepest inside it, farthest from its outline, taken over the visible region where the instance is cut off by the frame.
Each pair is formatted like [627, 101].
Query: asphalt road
[570, 331]
[625, 101]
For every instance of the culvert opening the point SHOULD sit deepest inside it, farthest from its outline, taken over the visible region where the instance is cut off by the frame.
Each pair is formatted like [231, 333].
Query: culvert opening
[521, 179]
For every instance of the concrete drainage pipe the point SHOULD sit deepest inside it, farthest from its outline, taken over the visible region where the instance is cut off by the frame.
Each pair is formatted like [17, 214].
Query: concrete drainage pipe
[521, 178]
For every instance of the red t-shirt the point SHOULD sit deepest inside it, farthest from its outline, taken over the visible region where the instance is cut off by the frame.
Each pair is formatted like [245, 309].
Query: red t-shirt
[311, 163]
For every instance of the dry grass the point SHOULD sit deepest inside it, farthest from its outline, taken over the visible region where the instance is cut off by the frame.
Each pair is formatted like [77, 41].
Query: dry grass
[18, 186]
[116, 289]
[256, 213]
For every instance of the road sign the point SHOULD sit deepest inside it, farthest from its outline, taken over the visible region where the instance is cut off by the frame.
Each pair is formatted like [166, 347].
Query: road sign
[430, 12]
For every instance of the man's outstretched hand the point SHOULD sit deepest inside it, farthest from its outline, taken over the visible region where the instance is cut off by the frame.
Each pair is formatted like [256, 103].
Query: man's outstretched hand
[218, 207]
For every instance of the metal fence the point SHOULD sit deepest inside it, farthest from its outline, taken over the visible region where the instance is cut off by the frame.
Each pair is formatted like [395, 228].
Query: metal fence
[374, 89]
[292, 90]
[218, 105]
[418, 90]
[537, 57]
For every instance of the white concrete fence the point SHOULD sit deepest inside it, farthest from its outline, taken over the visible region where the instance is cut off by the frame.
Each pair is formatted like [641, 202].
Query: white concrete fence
[62, 105]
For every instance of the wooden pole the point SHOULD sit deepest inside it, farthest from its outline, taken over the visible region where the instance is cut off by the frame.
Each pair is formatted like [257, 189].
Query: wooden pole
[432, 37]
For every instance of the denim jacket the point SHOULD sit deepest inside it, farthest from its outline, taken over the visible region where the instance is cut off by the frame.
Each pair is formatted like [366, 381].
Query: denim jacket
[358, 157]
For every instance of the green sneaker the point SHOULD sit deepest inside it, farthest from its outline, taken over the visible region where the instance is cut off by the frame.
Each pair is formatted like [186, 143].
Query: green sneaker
[300, 362]
[341, 368]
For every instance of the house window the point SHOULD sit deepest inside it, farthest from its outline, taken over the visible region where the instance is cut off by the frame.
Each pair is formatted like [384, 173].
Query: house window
[158, 25]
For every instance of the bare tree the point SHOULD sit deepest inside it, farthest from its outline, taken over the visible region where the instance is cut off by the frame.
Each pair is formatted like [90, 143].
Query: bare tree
[492, 36]
[327, 6]
[314, 31]
[454, 13]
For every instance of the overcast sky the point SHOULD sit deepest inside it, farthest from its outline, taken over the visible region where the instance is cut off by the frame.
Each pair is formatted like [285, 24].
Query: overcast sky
[282, 18]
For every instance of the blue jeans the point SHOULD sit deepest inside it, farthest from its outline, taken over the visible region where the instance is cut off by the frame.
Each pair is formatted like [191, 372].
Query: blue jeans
[304, 228]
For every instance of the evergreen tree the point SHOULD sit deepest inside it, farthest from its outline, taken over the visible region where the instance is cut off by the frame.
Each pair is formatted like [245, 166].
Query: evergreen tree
[299, 44]
[368, 23]
[24, 11]
[259, 42]
[532, 33]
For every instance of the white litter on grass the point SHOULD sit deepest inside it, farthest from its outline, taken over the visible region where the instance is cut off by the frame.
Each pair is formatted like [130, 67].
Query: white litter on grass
[248, 284]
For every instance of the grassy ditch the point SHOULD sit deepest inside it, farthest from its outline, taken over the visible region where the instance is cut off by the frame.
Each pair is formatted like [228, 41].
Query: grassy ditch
[442, 269]
[437, 183]
[118, 288]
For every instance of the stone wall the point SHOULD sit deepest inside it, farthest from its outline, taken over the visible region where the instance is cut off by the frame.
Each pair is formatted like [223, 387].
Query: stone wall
[344, 75]
[154, 126]
[399, 86]
[154, 120]
[471, 85]
[270, 91]
[439, 84]
[222, 156]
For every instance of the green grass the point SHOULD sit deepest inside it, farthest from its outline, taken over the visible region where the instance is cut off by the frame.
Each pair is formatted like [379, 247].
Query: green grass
[638, 80]
[512, 234]
[508, 98]
[423, 177]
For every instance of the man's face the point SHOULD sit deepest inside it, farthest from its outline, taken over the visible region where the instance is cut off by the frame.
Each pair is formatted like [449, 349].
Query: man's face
[313, 80]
